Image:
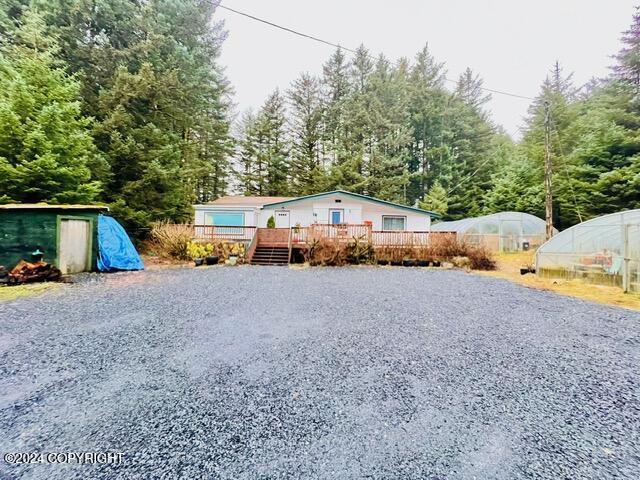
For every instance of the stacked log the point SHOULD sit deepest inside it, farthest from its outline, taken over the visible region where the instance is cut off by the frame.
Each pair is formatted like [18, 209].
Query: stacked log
[27, 272]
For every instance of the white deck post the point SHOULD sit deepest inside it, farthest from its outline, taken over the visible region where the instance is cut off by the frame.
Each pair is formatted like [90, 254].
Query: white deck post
[625, 258]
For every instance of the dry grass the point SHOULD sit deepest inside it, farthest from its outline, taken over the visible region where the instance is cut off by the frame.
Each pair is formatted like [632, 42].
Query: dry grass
[170, 240]
[509, 265]
[27, 290]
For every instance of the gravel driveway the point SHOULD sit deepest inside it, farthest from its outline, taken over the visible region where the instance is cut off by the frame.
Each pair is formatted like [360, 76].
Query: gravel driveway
[270, 372]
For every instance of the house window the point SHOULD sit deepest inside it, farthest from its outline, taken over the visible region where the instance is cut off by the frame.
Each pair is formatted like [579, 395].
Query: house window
[226, 219]
[394, 223]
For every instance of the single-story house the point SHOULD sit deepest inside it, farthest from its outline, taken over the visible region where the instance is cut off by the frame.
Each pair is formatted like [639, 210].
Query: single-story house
[330, 208]
[67, 235]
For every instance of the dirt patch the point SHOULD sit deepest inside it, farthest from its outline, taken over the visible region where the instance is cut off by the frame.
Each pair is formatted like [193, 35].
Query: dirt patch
[509, 265]
[152, 262]
[18, 291]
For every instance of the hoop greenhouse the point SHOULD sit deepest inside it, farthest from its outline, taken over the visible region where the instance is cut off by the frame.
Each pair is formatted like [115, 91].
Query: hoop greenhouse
[604, 250]
[499, 232]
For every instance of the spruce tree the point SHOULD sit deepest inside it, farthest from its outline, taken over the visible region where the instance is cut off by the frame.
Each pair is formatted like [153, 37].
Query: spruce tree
[46, 149]
[628, 58]
[307, 164]
[436, 199]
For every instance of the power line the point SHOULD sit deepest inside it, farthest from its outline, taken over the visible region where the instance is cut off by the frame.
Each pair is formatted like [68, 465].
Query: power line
[337, 45]
[351, 50]
[286, 29]
[566, 168]
[472, 174]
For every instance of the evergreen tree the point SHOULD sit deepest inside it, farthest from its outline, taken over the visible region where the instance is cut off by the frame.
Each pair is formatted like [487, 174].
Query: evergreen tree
[335, 89]
[385, 165]
[275, 145]
[264, 150]
[148, 75]
[307, 164]
[436, 199]
[46, 150]
[428, 119]
[247, 155]
[627, 68]
[469, 90]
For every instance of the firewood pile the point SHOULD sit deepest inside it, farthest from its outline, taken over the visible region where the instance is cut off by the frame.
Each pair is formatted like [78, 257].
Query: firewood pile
[27, 272]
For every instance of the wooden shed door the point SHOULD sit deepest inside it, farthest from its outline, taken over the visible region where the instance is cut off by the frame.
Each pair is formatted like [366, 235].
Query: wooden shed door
[74, 246]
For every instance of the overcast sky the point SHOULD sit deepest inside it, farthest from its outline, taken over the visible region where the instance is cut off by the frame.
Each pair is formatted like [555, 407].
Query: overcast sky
[511, 43]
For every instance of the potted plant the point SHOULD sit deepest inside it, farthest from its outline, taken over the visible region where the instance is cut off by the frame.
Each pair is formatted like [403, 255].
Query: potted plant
[396, 257]
[382, 256]
[271, 222]
[211, 258]
[197, 253]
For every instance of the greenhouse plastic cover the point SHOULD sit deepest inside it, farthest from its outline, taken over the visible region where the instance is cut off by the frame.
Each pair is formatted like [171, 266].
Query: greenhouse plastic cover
[115, 250]
[498, 223]
[593, 237]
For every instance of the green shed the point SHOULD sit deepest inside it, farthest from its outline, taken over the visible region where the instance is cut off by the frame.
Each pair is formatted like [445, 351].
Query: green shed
[66, 234]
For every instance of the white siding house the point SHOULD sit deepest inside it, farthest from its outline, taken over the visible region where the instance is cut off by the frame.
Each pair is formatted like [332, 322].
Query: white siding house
[233, 211]
[336, 207]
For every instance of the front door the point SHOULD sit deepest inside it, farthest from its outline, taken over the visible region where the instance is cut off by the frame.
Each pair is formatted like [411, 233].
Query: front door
[74, 244]
[335, 217]
[282, 219]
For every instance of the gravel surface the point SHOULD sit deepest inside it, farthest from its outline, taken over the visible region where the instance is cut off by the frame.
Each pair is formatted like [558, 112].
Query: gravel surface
[270, 372]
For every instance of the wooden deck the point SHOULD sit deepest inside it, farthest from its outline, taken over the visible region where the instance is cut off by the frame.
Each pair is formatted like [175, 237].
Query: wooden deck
[300, 237]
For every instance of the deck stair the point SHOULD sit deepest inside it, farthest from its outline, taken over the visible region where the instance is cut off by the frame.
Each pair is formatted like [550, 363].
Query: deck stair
[265, 255]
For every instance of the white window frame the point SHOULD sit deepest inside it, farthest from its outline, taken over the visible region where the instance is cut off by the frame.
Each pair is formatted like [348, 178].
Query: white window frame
[404, 223]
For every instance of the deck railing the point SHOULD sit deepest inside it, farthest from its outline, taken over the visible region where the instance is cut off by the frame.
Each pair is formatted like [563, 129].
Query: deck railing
[400, 238]
[302, 235]
[378, 238]
[340, 232]
[222, 232]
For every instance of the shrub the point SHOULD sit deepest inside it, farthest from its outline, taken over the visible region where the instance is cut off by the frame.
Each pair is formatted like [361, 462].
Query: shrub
[481, 259]
[171, 240]
[333, 252]
[271, 222]
[325, 251]
[196, 250]
[441, 248]
[359, 250]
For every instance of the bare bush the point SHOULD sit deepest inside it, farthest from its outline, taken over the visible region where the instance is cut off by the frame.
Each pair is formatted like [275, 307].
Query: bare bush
[170, 240]
[440, 248]
[334, 252]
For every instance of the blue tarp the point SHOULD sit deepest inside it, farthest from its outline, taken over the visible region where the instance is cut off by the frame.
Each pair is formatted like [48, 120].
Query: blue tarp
[115, 250]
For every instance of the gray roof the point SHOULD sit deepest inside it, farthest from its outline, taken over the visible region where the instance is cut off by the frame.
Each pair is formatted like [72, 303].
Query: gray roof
[354, 195]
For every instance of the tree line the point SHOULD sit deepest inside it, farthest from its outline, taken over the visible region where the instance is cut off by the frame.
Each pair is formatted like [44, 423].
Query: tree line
[116, 101]
[125, 102]
[386, 129]
[395, 130]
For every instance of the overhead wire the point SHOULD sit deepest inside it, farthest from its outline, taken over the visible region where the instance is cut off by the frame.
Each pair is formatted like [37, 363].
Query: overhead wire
[351, 50]
[354, 51]
[564, 163]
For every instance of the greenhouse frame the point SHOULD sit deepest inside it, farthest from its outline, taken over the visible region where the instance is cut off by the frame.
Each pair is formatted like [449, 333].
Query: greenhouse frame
[604, 250]
[498, 232]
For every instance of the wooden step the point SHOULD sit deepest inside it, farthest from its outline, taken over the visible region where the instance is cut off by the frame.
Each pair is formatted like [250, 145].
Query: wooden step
[268, 255]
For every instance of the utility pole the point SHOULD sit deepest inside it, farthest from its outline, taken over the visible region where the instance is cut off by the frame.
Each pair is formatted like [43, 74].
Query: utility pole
[548, 197]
